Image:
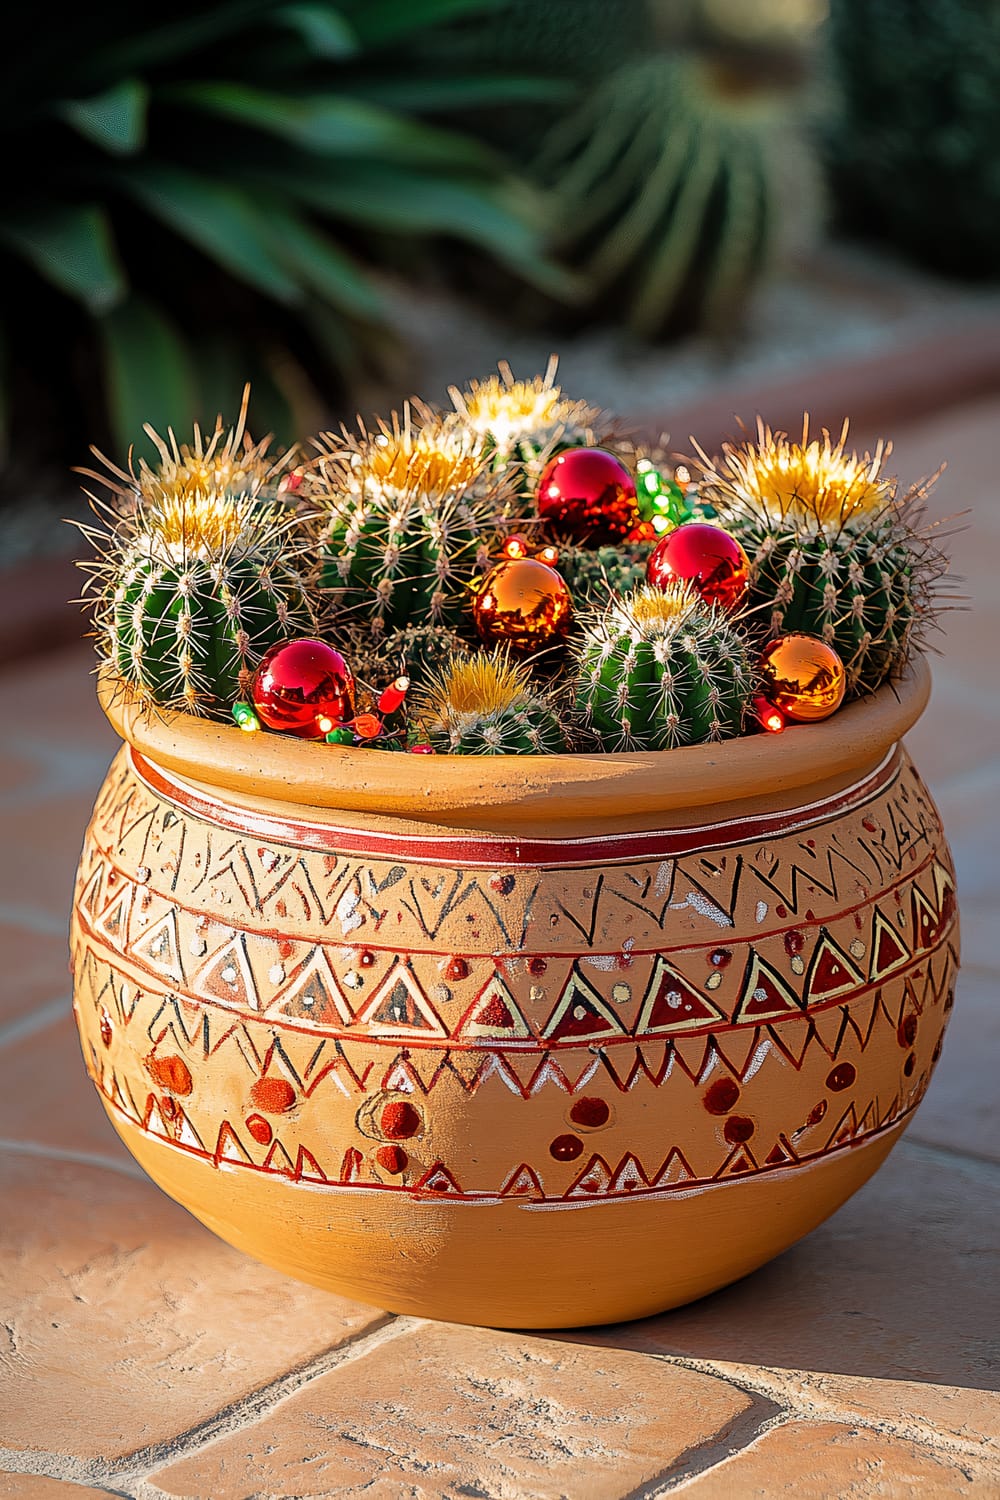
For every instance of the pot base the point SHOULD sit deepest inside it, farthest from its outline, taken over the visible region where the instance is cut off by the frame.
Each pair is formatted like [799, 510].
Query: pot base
[516, 1265]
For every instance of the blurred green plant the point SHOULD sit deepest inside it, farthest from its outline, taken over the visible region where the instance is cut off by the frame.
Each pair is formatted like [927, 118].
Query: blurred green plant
[915, 149]
[197, 197]
[673, 187]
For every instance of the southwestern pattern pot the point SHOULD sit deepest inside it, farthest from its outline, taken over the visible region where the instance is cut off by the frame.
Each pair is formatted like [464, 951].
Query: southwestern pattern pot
[517, 1041]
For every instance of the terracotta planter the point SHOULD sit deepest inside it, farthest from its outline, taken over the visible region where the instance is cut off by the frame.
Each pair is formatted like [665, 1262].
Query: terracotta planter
[518, 1041]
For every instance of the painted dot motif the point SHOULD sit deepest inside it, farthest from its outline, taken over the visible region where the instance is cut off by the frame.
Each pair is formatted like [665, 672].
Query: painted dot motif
[566, 1148]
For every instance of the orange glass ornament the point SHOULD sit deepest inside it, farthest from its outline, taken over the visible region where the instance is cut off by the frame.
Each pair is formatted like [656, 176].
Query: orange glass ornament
[802, 677]
[524, 604]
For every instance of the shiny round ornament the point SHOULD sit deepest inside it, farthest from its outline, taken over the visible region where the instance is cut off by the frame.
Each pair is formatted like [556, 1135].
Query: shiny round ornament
[707, 558]
[303, 687]
[588, 495]
[802, 677]
[524, 604]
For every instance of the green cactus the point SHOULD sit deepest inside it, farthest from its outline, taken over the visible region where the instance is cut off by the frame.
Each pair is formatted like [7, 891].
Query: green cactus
[487, 705]
[659, 669]
[411, 513]
[834, 552]
[197, 574]
[418, 652]
[527, 422]
[593, 574]
[673, 187]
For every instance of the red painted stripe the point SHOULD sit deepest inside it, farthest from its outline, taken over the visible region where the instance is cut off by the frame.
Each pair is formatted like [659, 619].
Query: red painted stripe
[487, 852]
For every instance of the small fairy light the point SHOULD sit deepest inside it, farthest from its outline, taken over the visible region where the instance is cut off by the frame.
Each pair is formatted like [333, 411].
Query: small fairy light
[245, 717]
[392, 697]
[549, 555]
[340, 736]
[324, 723]
[516, 546]
[770, 718]
[682, 474]
[367, 726]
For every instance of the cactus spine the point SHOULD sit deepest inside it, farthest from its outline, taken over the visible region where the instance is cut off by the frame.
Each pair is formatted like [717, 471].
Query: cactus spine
[412, 510]
[526, 422]
[661, 669]
[834, 552]
[487, 705]
[197, 574]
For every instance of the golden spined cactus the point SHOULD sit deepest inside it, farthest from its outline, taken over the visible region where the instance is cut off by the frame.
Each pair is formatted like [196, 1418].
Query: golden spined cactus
[835, 550]
[485, 704]
[200, 569]
[410, 512]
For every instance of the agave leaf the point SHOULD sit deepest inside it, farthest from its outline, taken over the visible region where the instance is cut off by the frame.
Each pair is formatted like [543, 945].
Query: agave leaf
[501, 217]
[72, 246]
[442, 92]
[220, 219]
[114, 120]
[148, 371]
[326, 33]
[337, 126]
[141, 43]
[381, 22]
[317, 262]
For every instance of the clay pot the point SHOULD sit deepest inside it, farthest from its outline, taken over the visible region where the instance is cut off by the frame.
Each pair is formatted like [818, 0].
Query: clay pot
[523, 1041]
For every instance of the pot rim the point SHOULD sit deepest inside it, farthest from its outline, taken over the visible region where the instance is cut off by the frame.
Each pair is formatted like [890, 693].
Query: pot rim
[519, 789]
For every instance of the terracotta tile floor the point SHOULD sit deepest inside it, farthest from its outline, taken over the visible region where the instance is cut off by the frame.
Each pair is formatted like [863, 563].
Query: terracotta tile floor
[139, 1356]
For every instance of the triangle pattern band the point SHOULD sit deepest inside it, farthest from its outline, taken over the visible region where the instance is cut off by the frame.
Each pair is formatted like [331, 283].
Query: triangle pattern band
[830, 972]
[581, 1015]
[765, 995]
[494, 1016]
[399, 1007]
[672, 1004]
[889, 952]
[313, 995]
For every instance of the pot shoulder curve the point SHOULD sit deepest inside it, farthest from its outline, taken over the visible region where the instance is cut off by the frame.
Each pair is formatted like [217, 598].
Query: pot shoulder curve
[517, 790]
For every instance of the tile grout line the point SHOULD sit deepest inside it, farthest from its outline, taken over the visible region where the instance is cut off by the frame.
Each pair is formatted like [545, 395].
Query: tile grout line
[126, 1167]
[36, 1020]
[803, 1410]
[127, 1476]
[761, 1417]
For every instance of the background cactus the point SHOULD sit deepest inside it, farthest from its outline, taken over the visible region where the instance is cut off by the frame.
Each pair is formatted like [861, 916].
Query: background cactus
[197, 575]
[673, 186]
[913, 145]
[412, 511]
[487, 705]
[660, 669]
[834, 552]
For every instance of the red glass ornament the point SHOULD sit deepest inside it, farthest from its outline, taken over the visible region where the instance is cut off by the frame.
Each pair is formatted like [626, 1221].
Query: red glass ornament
[303, 687]
[704, 556]
[523, 603]
[589, 496]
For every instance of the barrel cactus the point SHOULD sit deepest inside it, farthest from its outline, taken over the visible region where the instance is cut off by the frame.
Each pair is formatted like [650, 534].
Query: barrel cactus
[528, 421]
[418, 652]
[198, 572]
[410, 513]
[835, 551]
[673, 186]
[659, 669]
[594, 573]
[487, 705]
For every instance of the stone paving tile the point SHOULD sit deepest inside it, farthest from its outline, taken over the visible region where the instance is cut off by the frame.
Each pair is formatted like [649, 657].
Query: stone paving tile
[47, 1098]
[969, 806]
[127, 1323]
[37, 1487]
[816, 1461]
[465, 1411]
[960, 1110]
[900, 1288]
[42, 843]
[34, 970]
[54, 697]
